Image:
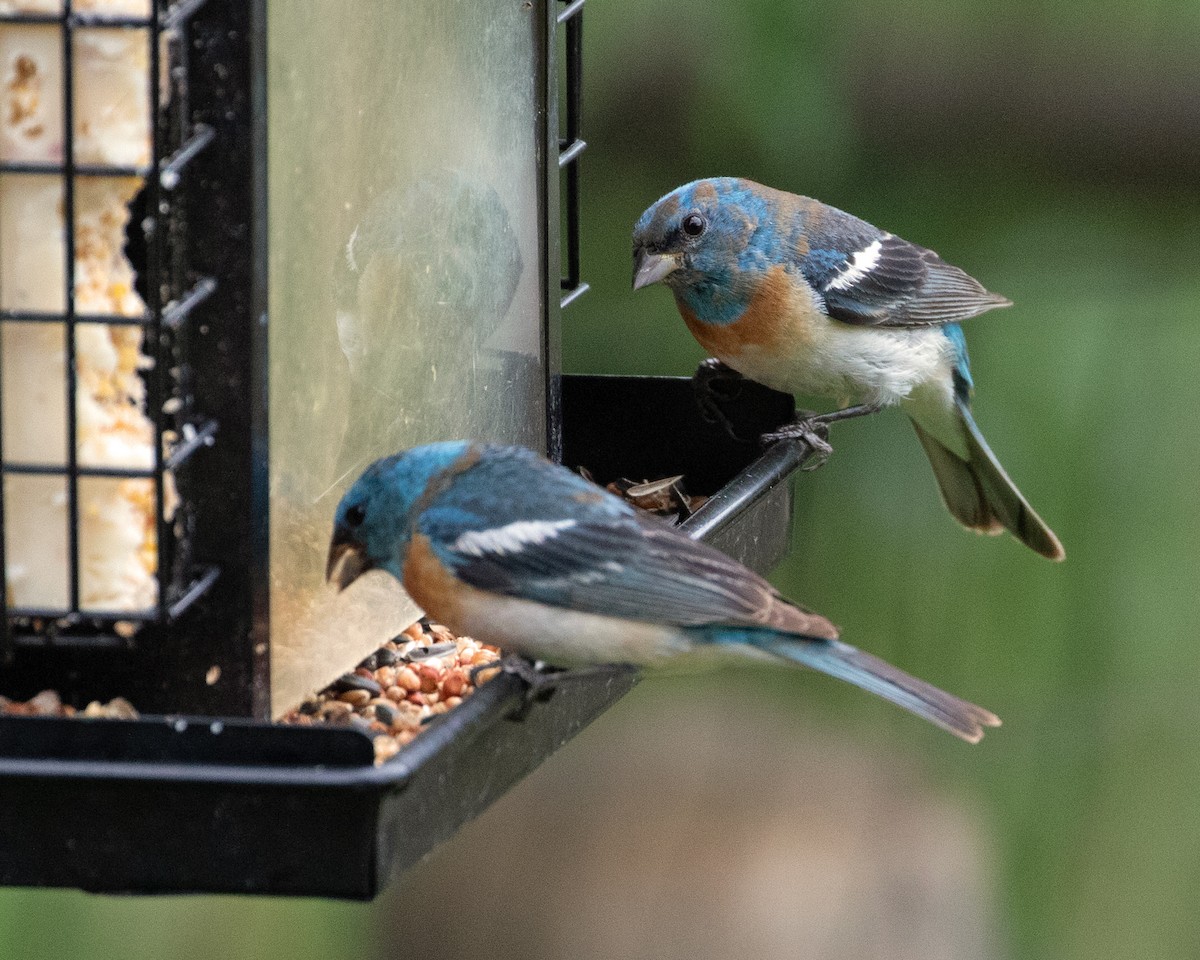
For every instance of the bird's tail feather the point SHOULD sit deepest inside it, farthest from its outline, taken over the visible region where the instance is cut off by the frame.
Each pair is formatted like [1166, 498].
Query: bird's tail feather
[876, 676]
[980, 494]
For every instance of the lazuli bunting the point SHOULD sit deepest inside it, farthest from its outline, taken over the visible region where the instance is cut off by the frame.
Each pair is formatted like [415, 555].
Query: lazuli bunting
[807, 299]
[504, 546]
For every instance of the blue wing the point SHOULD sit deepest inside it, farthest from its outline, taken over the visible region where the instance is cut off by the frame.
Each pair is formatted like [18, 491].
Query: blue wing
[872, 278]
[516, 525]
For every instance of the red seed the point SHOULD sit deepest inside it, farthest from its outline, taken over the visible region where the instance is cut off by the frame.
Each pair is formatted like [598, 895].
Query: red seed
[454, 684]
[429, 679]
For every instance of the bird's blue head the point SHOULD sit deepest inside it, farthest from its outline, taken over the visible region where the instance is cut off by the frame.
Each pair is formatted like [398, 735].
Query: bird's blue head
[373, 523]
[709, 241]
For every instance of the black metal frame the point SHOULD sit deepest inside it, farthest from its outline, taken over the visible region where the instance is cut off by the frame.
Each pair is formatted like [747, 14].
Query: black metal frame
[221, 329]
[188, 804]
[172, 294]
[174, 804]
[570, 146]
[194, 804]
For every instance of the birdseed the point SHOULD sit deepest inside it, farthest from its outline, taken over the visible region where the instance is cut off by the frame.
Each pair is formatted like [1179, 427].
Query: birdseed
[665, 497]
[49, 704]
[422, 673]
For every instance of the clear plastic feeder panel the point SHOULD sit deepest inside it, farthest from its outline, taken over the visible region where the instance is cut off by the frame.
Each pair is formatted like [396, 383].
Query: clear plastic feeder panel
[406, 293]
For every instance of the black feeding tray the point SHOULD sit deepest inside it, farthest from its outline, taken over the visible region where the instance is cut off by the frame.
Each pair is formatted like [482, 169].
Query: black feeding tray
[177, 804]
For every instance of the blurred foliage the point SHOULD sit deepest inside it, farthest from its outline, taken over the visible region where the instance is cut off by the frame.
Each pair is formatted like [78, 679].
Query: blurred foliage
[1053, 152]
[56, 925]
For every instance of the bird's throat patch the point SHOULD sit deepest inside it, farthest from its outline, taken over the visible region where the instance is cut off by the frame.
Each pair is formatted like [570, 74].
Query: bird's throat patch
[777, 318]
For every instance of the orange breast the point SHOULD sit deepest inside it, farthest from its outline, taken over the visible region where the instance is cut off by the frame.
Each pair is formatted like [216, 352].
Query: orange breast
[430, 584]
[777, 319]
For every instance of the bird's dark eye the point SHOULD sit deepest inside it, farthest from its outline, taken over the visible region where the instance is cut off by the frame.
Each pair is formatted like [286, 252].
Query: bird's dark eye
[694, 224]
[355, 515]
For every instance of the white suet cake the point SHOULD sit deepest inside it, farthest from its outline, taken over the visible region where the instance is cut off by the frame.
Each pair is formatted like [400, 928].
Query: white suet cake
[112, 126]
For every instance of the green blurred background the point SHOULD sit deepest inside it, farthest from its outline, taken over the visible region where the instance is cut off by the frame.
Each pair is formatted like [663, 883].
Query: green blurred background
[1053, 151]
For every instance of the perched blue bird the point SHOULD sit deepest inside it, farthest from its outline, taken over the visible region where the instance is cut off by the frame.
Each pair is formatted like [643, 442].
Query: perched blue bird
[501, 545]
[807, 299]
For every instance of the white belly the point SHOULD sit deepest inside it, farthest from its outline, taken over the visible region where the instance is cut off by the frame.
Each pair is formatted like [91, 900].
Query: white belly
[844, 362]
[565, 637]
[569, 638]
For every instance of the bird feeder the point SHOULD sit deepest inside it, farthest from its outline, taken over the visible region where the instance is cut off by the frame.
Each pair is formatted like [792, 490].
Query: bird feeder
[245, 249]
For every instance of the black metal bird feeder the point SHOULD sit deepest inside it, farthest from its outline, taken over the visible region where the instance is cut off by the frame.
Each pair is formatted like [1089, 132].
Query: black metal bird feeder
[244, 250]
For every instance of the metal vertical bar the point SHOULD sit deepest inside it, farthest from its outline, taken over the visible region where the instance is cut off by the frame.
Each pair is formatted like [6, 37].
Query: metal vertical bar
[6, 647]
[68, 54]
[571, 146]
[259, 311]
[550, 243]
[154, 224]
[574, 100]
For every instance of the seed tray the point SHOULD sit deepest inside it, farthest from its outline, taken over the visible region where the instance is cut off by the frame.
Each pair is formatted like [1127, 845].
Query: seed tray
[200, 804]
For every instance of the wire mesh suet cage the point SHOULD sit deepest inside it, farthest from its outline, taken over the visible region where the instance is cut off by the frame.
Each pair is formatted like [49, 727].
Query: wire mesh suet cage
[104, 360]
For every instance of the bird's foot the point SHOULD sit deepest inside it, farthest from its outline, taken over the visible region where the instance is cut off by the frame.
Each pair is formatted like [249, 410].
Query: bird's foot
[713, 385]
[808, 429]
[812, 429]
[541, 680]
[527, 670]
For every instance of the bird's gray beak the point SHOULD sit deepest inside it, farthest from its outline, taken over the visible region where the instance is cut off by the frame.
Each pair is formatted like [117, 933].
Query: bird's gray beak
[347, 560]
[650, 267]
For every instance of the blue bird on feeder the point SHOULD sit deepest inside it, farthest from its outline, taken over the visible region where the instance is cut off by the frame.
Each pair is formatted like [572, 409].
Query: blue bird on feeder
[807, 299]
[504, 546]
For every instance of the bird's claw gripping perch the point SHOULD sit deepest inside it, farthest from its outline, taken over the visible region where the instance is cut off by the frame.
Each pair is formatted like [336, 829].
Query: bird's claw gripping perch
[810, 430]
[813, 430]
[713, 384]
[540, 680]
